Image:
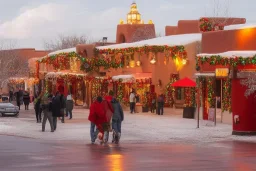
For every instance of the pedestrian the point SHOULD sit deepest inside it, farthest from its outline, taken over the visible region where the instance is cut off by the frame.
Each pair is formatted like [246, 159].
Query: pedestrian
[153, 104]
[92, 117]
[37, 108]
[117, 119]
[100, 113]
[56, 109]
[62, 107]
[110, 96]
[10, 96]
[132, 101]
[26, 99]
[18, 99]
[160, 102]
[69, 106]
[46, 103]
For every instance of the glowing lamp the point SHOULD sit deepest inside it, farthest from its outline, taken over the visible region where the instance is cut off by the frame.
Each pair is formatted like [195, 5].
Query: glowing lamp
[138, 63]
[133, 17]
[132, 63]
[184, 61]
[153, 61]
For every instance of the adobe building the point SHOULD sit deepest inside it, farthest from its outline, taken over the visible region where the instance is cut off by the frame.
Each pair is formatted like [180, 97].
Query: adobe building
[20, 56]
[159, 68]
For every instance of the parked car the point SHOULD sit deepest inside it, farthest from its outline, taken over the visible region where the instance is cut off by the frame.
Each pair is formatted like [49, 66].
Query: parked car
[4, 98]
[8, 109]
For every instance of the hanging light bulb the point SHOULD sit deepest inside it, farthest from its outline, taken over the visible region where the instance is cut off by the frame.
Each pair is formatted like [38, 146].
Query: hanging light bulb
[153, 61]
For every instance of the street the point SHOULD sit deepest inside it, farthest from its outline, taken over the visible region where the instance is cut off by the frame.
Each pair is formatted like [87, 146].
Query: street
[149, 142]
[27, 154]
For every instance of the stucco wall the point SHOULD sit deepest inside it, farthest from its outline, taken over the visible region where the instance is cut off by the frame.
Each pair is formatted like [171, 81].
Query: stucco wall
[127, 33]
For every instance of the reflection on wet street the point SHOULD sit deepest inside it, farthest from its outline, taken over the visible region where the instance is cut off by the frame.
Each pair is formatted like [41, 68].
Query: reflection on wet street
[27, 154]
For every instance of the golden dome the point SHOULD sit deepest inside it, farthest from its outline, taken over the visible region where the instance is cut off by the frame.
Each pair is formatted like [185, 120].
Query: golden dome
[133, 17]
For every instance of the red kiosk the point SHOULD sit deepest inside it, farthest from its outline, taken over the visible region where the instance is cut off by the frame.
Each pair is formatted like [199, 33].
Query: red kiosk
[242, 72]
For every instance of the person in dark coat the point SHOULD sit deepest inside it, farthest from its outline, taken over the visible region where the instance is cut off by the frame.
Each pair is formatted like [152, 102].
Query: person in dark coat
[63, 106]
[18, 99]
[160, 102]
[56, 109]
[117, 119]
[46, 103]
[69, 106]
[37, 106]
[10, 96]
[26, 99]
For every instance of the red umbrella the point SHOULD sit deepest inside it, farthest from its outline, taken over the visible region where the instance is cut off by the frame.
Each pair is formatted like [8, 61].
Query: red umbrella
[185, 82]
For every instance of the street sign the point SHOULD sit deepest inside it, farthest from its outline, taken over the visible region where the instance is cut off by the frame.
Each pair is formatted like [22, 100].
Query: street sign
[221, 72]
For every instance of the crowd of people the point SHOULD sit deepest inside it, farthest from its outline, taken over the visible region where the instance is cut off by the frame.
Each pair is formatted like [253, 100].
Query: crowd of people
[106, 113]
[156, 105]
[53, 107]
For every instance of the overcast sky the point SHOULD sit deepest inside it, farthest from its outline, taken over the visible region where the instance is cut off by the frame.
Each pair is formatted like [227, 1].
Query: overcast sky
[30, 22]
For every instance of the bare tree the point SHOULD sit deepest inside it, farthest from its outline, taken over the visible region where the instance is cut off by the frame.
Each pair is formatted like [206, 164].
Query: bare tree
[220, 13]
[11, 65]
[65, 42]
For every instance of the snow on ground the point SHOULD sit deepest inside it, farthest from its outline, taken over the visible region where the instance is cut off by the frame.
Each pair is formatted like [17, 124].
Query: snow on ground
[136, 128]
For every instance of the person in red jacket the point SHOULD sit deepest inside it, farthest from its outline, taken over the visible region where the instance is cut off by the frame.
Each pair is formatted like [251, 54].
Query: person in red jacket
[101, 112]
[110, 96]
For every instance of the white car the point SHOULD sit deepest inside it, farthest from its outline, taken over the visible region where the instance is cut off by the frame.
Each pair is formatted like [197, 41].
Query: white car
[8, 109]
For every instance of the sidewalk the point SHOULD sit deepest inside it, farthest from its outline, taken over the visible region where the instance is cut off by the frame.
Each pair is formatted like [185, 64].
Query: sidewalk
[136, 128]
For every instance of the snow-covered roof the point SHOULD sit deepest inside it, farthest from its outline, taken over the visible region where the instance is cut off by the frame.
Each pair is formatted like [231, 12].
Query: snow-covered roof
[174, 40]
[62, 51]
[230, 54]
[132, 77]
[63, 73]
[239, 26]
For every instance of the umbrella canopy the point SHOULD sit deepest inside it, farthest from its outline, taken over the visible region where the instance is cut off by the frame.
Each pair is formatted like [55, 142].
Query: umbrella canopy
[185, 82]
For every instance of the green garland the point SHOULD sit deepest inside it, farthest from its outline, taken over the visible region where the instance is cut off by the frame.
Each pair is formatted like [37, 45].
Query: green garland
[226, 98]
[210, 91]
[120, 93]
[225, 61]
[170, 91]
[145, 49]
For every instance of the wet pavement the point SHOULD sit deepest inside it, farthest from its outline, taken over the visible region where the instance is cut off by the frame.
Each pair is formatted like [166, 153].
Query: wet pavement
[26, 154]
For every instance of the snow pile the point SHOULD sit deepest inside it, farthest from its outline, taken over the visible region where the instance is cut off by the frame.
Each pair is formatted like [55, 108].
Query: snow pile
[174, 40]
[230, 54]
[239, 26]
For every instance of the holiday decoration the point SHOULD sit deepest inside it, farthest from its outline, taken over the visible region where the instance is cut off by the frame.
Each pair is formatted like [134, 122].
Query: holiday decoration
[174, 50]
[225, 61]
[190, 100]
[61, 61]
[208, 25]
[210, 91]
[170, 91]
[226, 98]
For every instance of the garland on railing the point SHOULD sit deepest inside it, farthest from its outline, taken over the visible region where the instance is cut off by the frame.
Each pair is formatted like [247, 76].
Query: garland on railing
[225, 61]
[226, 98]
